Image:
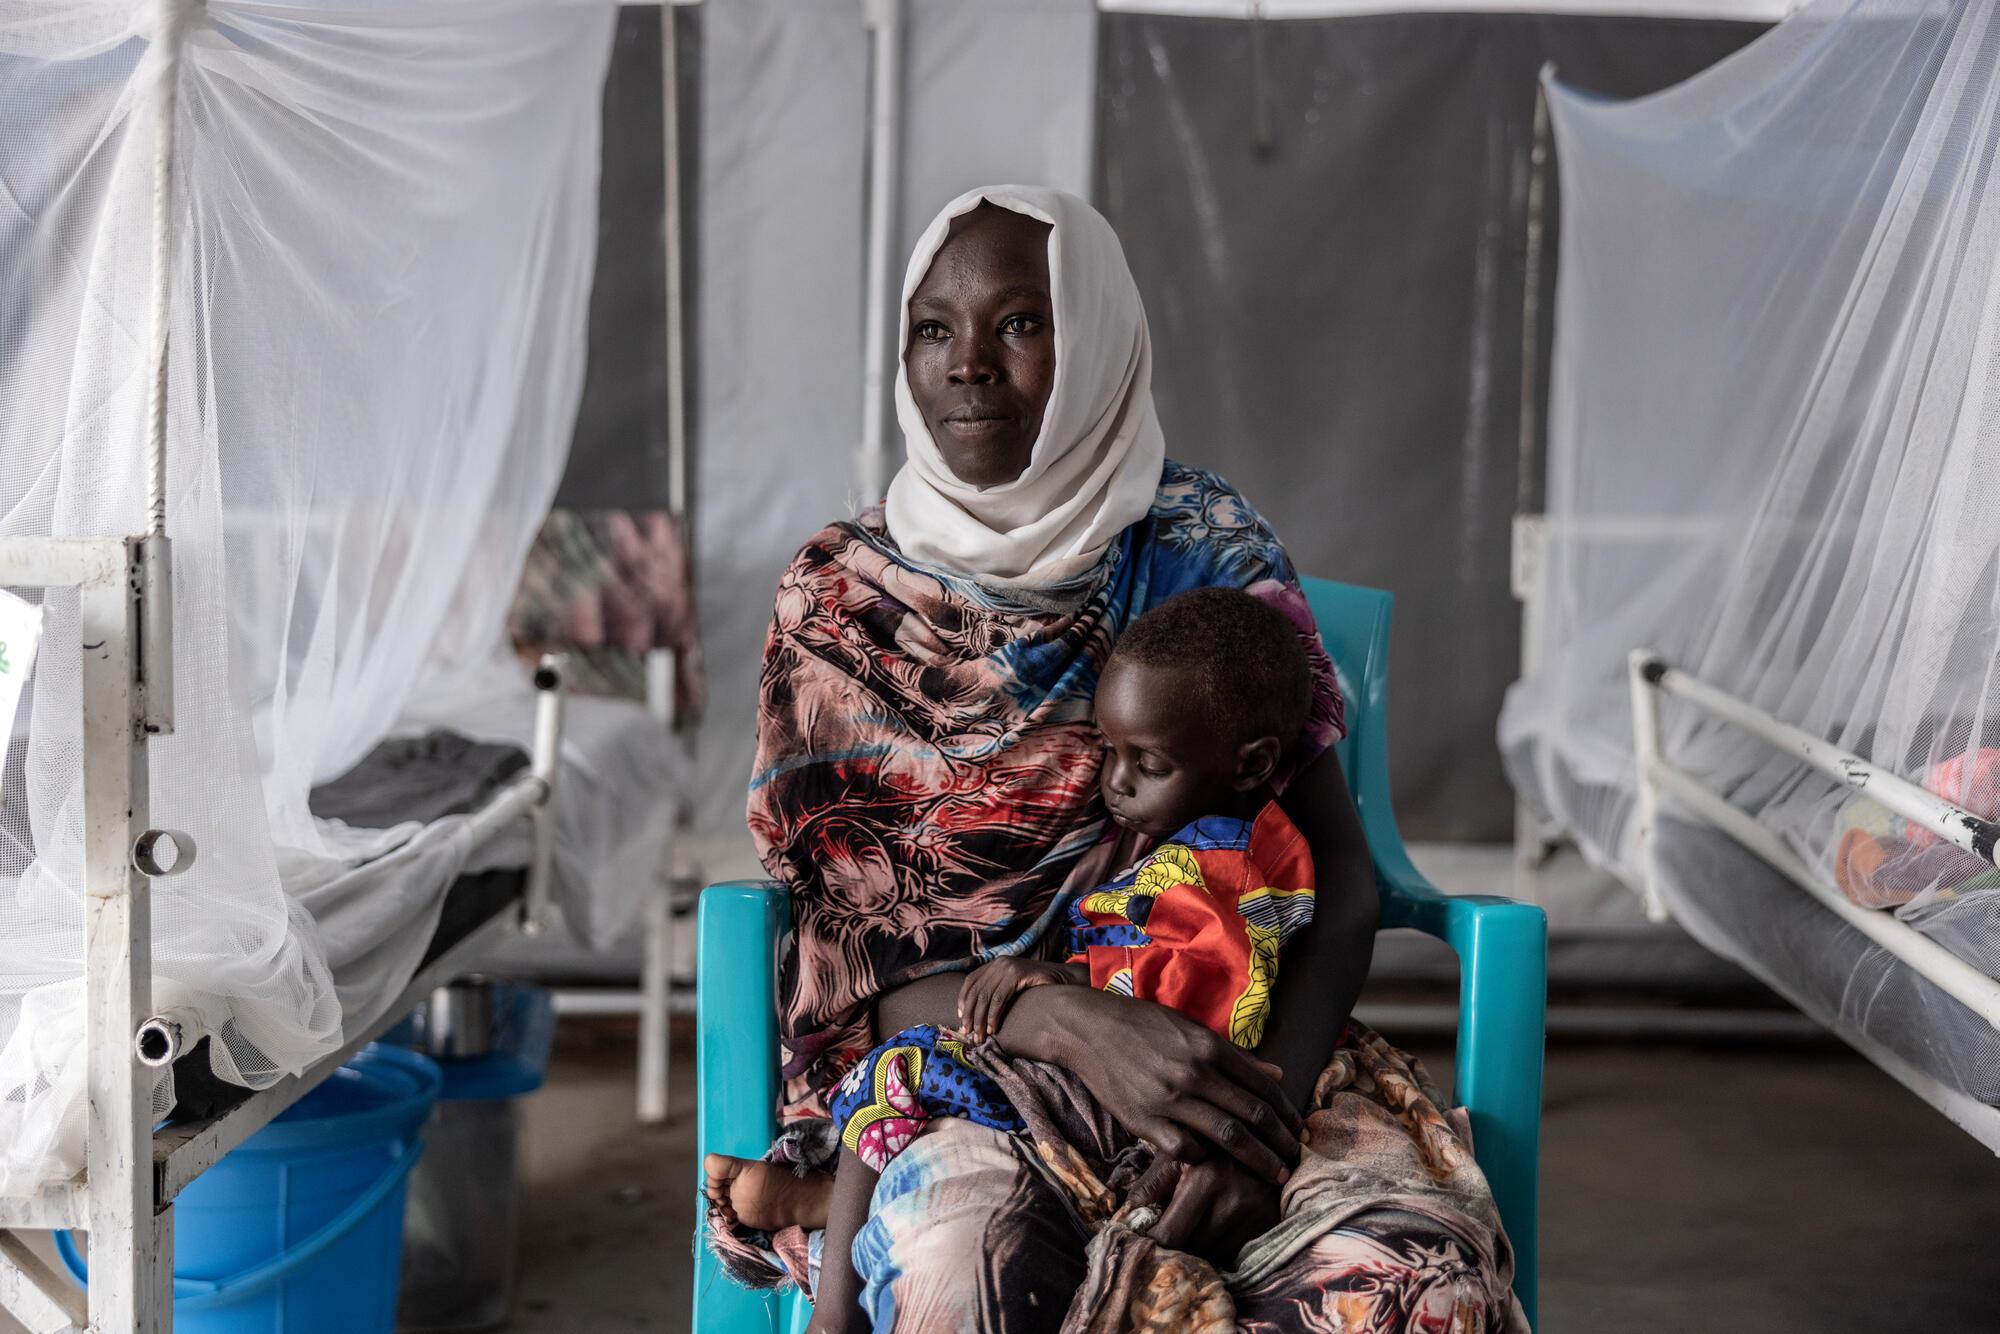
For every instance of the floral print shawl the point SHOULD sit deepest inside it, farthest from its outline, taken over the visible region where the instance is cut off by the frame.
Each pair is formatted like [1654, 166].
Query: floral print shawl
[927, 769]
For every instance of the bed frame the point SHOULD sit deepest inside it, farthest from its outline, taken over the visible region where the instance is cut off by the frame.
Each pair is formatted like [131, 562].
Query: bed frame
[1652, 678]
[133, 1172]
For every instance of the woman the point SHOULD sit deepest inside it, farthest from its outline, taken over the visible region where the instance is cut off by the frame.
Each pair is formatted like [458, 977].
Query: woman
[927, 786]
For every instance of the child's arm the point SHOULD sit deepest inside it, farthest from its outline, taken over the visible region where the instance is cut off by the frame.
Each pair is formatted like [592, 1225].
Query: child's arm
[837, 1306]
[989, 990]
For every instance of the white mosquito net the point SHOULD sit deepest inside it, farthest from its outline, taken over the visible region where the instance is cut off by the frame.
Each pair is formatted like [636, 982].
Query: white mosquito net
[1774, 457]
[381, 235]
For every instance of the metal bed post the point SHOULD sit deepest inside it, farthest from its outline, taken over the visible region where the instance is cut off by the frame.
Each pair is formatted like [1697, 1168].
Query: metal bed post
[547, 762]
[131, 1247]
[1641, 666]
[126, 634]
[656, 1006]
[124, 1197]
[131, 1235]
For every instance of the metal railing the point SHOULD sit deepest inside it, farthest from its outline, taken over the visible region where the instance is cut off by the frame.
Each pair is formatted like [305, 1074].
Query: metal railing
[124, 1197]
[1652, 678]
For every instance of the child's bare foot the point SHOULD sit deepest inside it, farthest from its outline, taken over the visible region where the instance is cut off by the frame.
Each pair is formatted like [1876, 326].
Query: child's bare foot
[767, 1196]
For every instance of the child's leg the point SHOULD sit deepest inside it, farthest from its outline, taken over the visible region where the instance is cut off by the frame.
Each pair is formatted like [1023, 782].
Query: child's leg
[767, 1196]
[837, 1304]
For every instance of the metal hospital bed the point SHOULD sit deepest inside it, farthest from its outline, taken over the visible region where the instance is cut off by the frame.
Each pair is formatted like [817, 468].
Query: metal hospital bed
[134, 1170]
[1962, 990]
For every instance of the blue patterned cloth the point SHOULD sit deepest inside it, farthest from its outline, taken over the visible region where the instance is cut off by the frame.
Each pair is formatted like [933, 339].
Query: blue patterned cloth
[916, 1075]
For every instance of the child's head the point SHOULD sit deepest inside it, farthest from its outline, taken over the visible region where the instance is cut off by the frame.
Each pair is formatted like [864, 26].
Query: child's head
[1203, 697]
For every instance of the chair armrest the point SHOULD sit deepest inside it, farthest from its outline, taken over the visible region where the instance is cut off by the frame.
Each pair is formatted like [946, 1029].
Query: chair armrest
[736, 990]
[1502, 947]
[1409, 900]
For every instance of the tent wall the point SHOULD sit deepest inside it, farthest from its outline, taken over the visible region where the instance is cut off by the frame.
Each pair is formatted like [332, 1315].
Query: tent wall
[780, 201]
[1337, 318]
[618, 459]
[998, 91]
[783, 106]
[1337, 309]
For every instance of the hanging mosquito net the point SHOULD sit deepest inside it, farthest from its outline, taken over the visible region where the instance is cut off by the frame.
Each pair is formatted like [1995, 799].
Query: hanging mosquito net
[1774, 457]
[381, 233]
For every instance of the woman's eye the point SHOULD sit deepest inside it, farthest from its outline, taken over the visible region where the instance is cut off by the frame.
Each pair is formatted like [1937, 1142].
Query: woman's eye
[1020, 324]
[930, 331]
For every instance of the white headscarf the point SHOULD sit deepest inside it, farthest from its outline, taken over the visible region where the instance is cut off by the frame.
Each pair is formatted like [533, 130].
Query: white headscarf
[1096, 464]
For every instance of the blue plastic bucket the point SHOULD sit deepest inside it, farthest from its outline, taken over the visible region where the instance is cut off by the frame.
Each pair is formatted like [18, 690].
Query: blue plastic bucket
[300, 1229]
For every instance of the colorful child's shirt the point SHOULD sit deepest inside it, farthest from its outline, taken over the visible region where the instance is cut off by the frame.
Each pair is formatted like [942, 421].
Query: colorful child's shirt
[1196, 926]
[1198, 923]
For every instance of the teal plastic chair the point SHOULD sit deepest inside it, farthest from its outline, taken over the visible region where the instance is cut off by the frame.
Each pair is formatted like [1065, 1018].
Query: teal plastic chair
[1502, 949]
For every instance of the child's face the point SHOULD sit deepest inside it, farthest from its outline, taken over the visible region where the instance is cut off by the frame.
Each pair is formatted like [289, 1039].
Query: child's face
[1163, 764]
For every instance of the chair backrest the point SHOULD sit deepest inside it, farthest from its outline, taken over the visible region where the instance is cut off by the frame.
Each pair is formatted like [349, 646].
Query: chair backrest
[1502, 946]
[1354, 625]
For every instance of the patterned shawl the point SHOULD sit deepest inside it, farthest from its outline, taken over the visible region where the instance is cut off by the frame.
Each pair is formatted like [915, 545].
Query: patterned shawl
[926, 773]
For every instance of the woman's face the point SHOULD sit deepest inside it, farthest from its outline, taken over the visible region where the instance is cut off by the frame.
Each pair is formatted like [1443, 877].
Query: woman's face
[981, 359]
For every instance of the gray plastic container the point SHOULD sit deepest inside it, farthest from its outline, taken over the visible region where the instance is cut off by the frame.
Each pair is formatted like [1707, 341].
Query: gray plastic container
[462, 1231]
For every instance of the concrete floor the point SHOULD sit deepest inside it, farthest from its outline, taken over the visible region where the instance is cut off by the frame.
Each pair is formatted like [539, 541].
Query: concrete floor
[1724, 1190]
[1731, 1191]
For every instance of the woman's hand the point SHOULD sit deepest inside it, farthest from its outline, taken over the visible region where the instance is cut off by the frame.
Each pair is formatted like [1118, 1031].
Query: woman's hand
[1162, 1076]
[1213, 1209]
[988, 991]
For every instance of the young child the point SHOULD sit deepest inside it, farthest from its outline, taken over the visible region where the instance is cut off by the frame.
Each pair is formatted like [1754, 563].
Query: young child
[1200, 705]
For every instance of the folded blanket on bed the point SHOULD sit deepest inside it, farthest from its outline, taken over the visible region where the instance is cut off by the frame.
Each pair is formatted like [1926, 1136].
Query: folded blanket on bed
[421, 778]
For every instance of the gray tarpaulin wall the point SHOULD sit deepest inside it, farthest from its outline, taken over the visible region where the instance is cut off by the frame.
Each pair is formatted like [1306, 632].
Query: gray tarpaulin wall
[619, 457]
[1335, 297]
[779, 318]
[1327, 219]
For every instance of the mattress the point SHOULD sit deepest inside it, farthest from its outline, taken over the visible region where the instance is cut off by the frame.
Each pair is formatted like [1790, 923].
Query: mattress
[401, 814]
[1738, 905]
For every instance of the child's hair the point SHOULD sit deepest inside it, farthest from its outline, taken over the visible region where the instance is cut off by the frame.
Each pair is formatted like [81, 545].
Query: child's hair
[1251, 670]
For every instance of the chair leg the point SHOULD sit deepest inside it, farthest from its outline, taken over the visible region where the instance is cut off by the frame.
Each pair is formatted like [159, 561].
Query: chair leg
[1503, 999]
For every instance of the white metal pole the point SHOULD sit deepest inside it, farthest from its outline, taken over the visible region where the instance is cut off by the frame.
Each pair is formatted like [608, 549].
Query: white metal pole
[547, 762]
[164, 56]
[1646, 752]
[875, 463]
[670, 116]
[655, 1003]
[661, 665]
[127, 1289]
[1949, 821]
[1952, 975]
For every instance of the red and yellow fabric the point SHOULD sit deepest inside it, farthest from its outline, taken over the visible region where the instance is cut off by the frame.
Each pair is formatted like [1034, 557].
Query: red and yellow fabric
[1197, 925]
